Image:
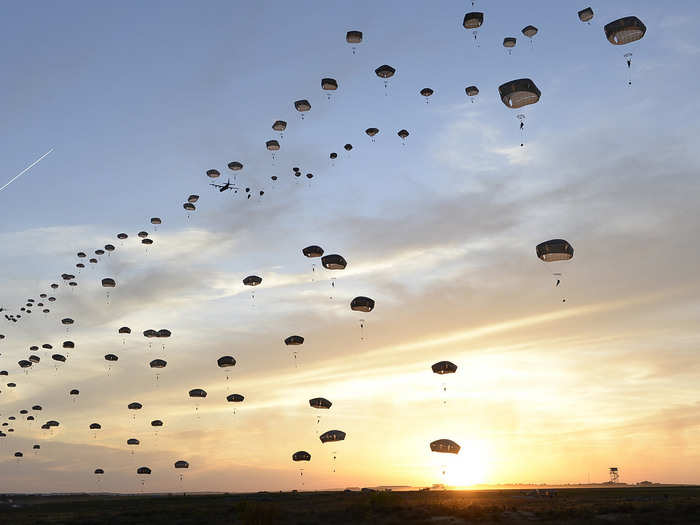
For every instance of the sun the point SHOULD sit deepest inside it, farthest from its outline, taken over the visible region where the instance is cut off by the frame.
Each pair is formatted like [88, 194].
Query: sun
[469, 467]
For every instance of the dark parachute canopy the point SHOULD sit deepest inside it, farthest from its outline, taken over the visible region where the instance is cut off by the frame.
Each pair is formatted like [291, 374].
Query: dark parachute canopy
[124, 330]
[110, 247]
[353, 37]
[235, 398]
[252, 280]
[372, 131]
[34, 358]
[333, 262]
[509, 42]
[108, 282]
[134, 406]
[67, 321]
[272, 145]
[473, 20]
[302, 455]
[19, 455]
[554, 250]
[198, 392]
[74, 392]
[36, 447]
[625, 30]
[302, 105]
[24, 363]
[294, 340]
[111, 357]
[279, 125]
[385, 71]
[143, 470]
[403, 134]
[518, 93]
[158, 363]
[426, 92]
[444, 367]
[182, 464]
[320, 402]
[95, 426]
[68, 344]
[312, 251]
[332, 435]
[156, 423]
[225, 361]
[146, 241]
[192, 198]
[132, 441]
[445, 446]
[471, 91]
[156, 220]
[189, 206]
[329, 84]
[348, 147]
[122, 236]
[163, 332]
[529, 31]
[99, 471]
[333, 155]
[362, 304]
[235, 166]
[585, 15]
[58, 357]
[213, 174]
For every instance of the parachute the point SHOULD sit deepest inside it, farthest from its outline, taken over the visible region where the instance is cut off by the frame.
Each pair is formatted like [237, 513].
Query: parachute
[509, 43]
[189, 206]
[198, 392]
[24, 363]
[156, 220]
[122, 236]
[147, 241]
[124, 330]
[555, 250]
[348, 147]
[302, 455]
[99, 471]
[329, 84]
[294, 340]
[156, 423]
[235, 398]
[272, 145]
[473, 20]
[332, 435]
[353, 37]
[110, 247]
[444, 367]
[312, 251]
[624, 31]
[213, 174]
[158, 363]
[362, 304]
[279, 125]
[225, 361]
[252, 280]
[518, 93]
[134, 406]
[333, 155]
[320, 403]
[182, 464]
[58, 357]
[108, 282]
[427, 93]
[333, 262]
[132, 441]
[371, 132]
[235, 166]
[95, 426]
[403, 134]
[99, 252]
[68, 344]
[111, 357]
[529, 31]
[34, 358]
[385, 72]
[143, 470]
[302, 106]
[192, 199]
[445, 446]
[74, 392]
[585, 15]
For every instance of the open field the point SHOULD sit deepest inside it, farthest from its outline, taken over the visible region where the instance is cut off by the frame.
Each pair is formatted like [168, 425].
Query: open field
[633, 505]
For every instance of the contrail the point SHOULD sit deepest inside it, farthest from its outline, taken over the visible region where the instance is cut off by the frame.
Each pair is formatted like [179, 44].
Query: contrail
[25, 170]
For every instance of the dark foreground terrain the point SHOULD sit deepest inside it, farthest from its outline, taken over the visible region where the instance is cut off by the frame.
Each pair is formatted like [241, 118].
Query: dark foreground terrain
[653, 505]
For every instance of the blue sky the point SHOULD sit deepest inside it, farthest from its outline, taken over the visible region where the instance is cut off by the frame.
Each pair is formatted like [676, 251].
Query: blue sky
[140, 100]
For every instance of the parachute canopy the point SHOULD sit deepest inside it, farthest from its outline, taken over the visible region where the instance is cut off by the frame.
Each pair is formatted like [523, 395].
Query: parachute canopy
[225, 361]
[353, 37]
[235, 398]
[108, 282]
[445, 446]
[403, 133]
[124, 330]
[156, 423]
[333, 262]
[585, 15]
[312, 251]
[156, 220]
[529, 31]
[68, 344]
[272, 145]
[111, 357]
[135, 406]
[99, 471]
[198, 392]
[518, 93]
[444, 367]
[294, 340]
[212, 174]
[385, 71]
[509, 42]
[625, 30]
[302, 455]
[132, 441]
[58, 357]
[252, 280]
[471, 91]
[473, 20]
[372, 131]
[158, 363]
[235, 165]
[192, 198]
[143, 470]
[302, 105]
[555, 250]
[182, 464]
[362, 304]
[426, 92]
[279, 125]
[320, 402]
[329, 84]
[332, 435]
[95, 426]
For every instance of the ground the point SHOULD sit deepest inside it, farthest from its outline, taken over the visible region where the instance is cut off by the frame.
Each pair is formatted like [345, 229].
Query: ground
[633, 505]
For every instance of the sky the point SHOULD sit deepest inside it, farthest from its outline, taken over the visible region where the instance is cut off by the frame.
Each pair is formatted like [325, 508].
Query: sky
[139, 101]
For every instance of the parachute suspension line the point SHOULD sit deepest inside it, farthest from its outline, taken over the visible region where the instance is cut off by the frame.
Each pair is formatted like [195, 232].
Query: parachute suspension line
[521, 118]
[313, 272]
[332, 287]
[252, 299]
[628, 58]
[362, 329]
